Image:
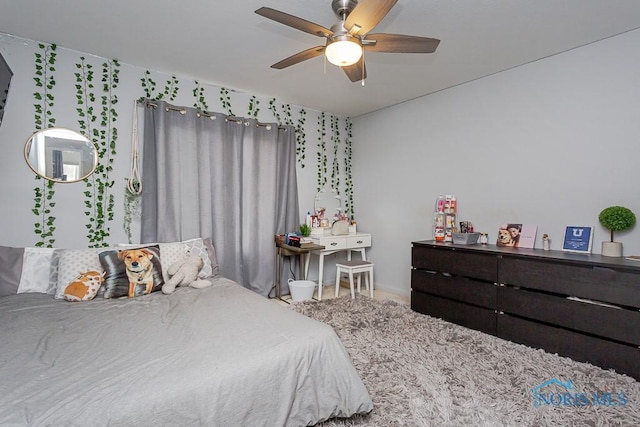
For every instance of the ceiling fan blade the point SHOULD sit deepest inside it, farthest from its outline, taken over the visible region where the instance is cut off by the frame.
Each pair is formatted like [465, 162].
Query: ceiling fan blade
[366, 15]
[357, 71]
[398, 43]
[294, 22]
[299, 57]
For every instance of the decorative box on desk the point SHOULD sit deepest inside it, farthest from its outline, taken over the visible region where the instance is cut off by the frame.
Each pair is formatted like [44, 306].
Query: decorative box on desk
[582, 306]
[466, 238]
[320, 231]
[332, 244]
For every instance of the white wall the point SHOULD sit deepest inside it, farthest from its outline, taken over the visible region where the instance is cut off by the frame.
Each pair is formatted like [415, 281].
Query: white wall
[550, 143]
[17, 181]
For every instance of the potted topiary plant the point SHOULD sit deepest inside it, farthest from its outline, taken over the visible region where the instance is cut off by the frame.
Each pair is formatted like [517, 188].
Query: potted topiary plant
[615, 218]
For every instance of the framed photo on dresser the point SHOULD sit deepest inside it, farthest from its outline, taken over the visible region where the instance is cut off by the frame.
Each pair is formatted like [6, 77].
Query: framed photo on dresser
[577, 239]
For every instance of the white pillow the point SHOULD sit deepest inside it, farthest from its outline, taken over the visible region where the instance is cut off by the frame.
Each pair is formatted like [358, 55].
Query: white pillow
[38, 270]
[198, 247]
[72, 263]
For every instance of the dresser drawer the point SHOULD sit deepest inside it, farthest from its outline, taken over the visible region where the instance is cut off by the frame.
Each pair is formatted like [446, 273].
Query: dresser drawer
[357, 241]
[425, 258]
[456, 261]
[455, 287]
[469, 264]
[604, 353]
[470, 316]
[584, 281]
[605, 321]
[332, 242]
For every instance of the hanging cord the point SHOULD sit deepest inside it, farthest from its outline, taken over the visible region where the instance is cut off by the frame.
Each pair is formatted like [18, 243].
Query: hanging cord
[134, 182]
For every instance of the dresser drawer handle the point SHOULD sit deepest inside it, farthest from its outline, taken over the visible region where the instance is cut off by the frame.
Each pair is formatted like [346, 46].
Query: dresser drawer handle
[334, 243]
[359, 242]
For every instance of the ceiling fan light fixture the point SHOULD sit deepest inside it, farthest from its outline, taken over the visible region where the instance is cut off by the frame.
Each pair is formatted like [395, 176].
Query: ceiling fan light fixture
[346, 39]
[344, 50]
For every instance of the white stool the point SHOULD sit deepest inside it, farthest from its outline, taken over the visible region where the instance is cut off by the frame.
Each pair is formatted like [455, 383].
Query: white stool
[359, 268]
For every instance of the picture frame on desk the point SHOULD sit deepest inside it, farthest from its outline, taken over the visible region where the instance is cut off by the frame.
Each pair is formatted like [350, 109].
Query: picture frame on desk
[578, 239]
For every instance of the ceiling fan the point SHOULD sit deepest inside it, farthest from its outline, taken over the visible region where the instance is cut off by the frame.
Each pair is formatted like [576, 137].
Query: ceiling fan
[348, 37]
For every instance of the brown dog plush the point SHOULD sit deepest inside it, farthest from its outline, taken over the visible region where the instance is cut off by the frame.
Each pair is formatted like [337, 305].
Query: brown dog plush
[139, 269]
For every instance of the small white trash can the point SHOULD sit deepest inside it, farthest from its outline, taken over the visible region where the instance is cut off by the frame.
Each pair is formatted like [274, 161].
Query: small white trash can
[301, 290]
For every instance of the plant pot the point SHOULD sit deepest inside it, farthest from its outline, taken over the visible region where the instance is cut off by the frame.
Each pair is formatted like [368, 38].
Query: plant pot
[613, 249]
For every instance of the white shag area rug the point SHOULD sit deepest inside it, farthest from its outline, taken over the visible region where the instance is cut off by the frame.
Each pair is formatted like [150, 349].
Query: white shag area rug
[423, 371]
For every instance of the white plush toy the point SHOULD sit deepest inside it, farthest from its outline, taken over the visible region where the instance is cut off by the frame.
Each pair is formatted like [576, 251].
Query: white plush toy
[185, 273]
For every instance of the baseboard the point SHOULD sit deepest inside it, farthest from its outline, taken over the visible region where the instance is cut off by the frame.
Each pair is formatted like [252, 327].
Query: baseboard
[393, 290]
[344, 283]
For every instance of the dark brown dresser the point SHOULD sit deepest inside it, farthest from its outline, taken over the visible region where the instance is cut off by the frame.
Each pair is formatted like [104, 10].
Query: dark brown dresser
[586, 307]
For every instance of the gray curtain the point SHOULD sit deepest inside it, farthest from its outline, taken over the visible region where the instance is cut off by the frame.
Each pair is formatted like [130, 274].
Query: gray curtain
[231, 179]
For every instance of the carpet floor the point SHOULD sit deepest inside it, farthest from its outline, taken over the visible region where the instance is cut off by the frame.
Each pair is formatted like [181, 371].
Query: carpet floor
[423, 371]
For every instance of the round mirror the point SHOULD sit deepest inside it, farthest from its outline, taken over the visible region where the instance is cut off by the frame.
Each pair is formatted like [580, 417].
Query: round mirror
[61, 155]
[328, 205]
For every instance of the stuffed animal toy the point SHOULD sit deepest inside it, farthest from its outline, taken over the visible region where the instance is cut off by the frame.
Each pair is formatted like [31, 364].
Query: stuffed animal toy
[185, 273]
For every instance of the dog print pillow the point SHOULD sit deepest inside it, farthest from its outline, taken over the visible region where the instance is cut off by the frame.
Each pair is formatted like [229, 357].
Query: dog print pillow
[84, 287]
[132, 272]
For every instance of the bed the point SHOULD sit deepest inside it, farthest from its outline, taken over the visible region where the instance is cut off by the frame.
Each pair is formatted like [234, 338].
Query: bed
[222, 355]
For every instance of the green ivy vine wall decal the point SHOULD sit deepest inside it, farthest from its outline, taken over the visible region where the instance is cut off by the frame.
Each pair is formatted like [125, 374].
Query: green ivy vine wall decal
[198, 94]
[254, 108]
[301, 138]
[44, 191]
[335, 166]
[299, 128]
[226, 100]
[286, 110]
[321, 155]
[170, 90]
[85, 97]
[348, 184]
[288, 120]
[99, 198]
[274, 110]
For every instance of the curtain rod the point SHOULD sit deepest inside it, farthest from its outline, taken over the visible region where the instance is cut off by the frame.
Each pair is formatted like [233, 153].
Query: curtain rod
[268, 126]
[212, 116]
[240, 120]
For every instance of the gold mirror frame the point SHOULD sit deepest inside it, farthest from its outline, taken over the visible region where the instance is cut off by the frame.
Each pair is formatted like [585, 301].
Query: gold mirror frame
[61, 155]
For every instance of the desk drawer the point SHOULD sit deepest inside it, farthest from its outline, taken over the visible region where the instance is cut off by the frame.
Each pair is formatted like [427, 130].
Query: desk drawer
[332, 243]
[359, 241]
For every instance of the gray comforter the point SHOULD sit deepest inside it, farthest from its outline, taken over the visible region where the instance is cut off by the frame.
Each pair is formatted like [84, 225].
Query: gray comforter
[220, 356]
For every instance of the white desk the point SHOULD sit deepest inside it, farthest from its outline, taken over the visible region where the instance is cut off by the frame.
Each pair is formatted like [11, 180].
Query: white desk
[332, 244]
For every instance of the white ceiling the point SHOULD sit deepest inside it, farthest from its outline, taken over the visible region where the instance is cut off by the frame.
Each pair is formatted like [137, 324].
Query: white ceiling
[225, 43]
